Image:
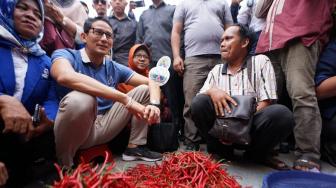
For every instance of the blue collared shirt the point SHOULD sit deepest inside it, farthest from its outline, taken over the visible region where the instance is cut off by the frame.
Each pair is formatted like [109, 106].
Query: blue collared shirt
[326, 68]
[109, 73]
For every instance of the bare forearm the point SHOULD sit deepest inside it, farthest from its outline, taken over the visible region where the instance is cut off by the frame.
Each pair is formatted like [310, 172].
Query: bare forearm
[327, 88]
[86, 84]
[69, 26]
[155, 92]
[176, 38]
[175, 42]
[154, 88]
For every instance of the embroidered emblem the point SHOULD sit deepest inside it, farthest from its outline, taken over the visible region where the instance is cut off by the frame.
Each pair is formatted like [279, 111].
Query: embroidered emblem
[45, 73]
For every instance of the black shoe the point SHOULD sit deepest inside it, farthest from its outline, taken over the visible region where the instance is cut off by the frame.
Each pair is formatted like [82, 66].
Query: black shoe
[142, 153]
[192, 146]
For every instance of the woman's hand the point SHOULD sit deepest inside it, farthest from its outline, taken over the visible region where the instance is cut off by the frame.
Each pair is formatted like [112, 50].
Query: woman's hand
[53, 12]
[44, 125]
[15, 116]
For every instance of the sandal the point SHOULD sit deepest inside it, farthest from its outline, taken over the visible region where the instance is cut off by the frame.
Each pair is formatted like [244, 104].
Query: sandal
[275, 163]
[305, 163]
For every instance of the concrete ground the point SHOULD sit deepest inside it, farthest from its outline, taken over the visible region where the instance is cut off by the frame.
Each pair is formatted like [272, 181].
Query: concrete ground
[250, 174]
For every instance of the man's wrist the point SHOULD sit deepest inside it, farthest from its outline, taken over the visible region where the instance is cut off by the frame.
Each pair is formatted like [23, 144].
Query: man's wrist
[157, 105]
[129, 102]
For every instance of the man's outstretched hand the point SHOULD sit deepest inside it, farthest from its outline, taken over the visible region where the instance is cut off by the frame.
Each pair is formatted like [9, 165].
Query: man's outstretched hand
[221, 101]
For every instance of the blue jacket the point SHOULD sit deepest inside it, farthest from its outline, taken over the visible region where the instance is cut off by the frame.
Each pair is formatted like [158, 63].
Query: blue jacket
[39, 86]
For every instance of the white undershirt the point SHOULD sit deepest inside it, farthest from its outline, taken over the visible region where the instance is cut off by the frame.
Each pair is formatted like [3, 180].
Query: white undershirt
[20, 69]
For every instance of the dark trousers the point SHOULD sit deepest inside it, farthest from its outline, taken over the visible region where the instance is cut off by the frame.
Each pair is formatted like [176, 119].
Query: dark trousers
[270, 126]
[328, 140]
[173, 90]
[18, 155]
[329, 130]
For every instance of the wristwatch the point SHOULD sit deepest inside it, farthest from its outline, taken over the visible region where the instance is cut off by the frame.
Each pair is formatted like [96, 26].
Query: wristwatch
[155, 104]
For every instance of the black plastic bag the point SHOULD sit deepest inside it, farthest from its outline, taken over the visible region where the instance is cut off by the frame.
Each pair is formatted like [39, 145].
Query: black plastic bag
[163, 137]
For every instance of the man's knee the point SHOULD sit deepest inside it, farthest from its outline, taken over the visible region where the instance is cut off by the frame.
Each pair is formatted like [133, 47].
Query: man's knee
[282, 116]
[78, 102]
[200, 105]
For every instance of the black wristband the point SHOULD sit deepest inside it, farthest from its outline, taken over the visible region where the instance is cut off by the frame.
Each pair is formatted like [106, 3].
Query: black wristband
[157, 105]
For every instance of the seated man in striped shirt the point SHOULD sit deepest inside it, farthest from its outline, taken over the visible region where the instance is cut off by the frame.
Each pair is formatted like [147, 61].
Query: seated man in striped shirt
[271, 122]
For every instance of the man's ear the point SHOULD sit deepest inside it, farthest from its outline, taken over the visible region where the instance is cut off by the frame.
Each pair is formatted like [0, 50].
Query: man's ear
[245, 42]
[83, 37]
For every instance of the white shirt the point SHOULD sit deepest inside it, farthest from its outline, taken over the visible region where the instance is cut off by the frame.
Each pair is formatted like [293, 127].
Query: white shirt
[262, 85]
[246, 16]
[20, 70]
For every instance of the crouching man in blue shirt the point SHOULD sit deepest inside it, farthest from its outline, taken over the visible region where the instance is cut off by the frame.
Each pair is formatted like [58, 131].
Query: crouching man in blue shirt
[92, 111]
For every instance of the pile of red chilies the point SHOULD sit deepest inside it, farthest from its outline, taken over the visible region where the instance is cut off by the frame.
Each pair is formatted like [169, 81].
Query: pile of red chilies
[177, 170]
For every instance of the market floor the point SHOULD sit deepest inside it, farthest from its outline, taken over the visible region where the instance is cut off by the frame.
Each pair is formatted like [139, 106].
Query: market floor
[248, 174]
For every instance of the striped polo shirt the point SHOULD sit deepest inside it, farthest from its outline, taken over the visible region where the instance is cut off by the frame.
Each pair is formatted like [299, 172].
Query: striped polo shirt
[262, 84]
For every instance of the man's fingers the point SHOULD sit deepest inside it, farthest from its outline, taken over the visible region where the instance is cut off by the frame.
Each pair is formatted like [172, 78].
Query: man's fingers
[231, 100]
[146, 113]
[151, 114]
[220, 108]
[216, 109]
[227, 107]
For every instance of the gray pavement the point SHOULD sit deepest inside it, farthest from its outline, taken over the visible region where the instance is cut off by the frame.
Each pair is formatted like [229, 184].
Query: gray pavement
[249, 174]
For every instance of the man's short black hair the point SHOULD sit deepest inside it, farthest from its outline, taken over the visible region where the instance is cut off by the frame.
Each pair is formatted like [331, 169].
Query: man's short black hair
[88, 23]
[246, 33]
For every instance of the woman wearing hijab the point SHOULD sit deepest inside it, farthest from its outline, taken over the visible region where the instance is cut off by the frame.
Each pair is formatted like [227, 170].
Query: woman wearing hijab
[138, 60]
[24, 82]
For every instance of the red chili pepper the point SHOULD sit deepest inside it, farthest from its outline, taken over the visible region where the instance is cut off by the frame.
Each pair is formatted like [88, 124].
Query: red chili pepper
[177, 170]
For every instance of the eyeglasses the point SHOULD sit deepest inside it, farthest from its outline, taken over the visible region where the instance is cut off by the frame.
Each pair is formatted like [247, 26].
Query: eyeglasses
[139, 56]
[100, 33]
[102, 1]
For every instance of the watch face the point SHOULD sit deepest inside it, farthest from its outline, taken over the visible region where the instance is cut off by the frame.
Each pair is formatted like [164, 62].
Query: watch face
[164, 61]
[160, 75]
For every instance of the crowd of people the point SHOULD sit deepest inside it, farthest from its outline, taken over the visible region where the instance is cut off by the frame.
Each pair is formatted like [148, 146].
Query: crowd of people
[90, 77]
